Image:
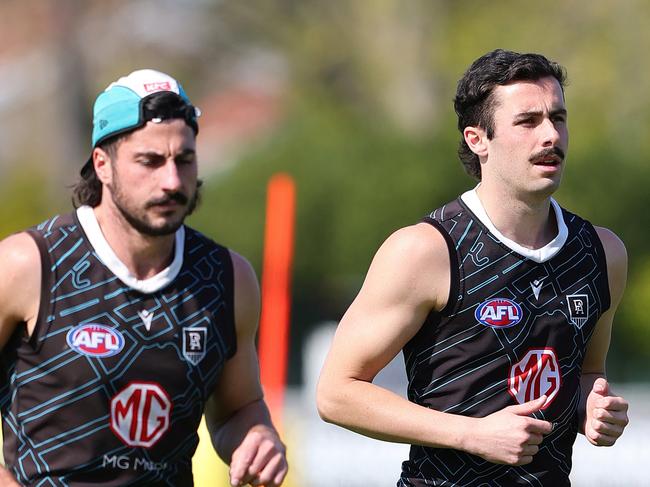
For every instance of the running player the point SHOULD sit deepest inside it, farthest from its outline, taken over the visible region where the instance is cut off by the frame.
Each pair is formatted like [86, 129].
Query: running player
[501, 300]
[120, 326]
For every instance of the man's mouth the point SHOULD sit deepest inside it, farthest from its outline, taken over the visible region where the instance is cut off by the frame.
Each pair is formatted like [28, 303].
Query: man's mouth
[548, 157]
[549, 161]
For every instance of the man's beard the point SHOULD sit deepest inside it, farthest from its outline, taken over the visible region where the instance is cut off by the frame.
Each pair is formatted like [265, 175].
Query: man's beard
[142, 225]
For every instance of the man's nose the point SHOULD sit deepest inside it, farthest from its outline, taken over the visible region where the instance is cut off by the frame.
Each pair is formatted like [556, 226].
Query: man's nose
[551, 134]
[170, 179]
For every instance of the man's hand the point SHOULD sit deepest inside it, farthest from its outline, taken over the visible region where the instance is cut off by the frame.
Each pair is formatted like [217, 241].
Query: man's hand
[606, 415]
[259, 460]
[510, 436]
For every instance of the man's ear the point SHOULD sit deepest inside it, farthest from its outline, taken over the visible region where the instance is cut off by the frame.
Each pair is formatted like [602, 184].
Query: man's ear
[102, 164]
[476, 139]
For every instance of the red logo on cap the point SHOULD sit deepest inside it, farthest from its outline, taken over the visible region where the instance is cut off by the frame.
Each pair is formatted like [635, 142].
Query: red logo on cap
[157, 86]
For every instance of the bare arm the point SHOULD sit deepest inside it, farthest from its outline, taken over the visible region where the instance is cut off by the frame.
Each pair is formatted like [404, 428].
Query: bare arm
[603, 414]
[408, 278]
[19, 296]
[237, 417]
[6, 479]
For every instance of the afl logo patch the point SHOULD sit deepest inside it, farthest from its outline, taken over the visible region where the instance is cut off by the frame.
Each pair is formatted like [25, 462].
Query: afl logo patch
[498, 313]
[95, 340]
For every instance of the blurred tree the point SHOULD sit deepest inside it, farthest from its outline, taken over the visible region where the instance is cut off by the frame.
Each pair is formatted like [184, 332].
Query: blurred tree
[372, 145]
[368, 129]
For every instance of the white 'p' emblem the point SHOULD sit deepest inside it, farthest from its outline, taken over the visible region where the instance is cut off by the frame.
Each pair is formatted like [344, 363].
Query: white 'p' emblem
[578, 308]
[194, 344]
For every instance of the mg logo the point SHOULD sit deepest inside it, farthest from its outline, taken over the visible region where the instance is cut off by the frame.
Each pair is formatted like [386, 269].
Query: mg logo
[538, 373]
[140, 413]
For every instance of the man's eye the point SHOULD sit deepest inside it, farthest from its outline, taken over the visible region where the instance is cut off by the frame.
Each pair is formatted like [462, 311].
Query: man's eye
[526, 121]
[147, 162]
[186, 159]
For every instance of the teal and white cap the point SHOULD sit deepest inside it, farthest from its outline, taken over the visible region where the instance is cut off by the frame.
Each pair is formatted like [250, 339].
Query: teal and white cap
[118, 109]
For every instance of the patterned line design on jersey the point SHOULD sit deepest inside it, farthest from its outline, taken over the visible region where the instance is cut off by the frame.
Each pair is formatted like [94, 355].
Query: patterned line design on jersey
[69, 430]
[458, 365]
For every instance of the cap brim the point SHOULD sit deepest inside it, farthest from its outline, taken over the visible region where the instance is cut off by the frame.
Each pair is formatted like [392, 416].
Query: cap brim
[87, 168]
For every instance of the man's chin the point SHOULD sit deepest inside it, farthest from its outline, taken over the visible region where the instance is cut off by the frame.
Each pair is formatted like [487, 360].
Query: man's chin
[163, 229]
[159, 227]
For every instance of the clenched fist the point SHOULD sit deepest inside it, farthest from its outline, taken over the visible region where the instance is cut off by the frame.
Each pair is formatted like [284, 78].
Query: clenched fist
[510, 436]
[605, 415]
[259, 460]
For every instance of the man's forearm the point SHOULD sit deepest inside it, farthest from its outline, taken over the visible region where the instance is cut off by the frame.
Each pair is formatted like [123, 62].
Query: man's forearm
[229, 434]
[378, 413]
[6, 479]
[509, 435]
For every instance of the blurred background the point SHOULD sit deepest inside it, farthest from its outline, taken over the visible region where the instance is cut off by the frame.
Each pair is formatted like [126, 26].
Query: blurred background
[353, 99]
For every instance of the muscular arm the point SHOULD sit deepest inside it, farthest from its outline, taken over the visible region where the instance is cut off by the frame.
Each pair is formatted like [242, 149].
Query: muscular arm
[408, 278]
[236, 415]
[20, 283]
[603, 414]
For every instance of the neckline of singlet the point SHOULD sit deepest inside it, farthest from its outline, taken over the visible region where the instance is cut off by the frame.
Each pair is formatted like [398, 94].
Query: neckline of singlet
[542, 254]
[105, 253]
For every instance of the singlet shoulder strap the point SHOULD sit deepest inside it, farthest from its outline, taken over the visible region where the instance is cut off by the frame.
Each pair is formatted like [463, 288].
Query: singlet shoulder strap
[454, 268]
[46, 285]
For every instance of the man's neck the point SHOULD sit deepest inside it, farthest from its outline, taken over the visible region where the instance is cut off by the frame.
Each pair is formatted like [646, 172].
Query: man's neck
[529, 221]
[144, 255]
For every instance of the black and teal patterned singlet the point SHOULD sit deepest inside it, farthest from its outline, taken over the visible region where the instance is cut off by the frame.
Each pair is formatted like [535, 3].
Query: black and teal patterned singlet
[514, 328]
[110, 388]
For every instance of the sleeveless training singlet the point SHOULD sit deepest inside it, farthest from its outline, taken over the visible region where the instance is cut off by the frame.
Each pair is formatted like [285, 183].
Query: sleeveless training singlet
[516, 327]
[110, 388]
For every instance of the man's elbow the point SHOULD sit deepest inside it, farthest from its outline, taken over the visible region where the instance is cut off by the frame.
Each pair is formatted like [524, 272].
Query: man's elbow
[328, 402]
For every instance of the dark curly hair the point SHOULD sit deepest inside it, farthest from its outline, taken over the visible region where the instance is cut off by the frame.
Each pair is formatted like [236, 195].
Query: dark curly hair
[474, 103]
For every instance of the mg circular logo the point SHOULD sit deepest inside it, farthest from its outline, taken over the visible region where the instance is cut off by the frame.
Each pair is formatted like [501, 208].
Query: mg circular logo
[536, 374]
[498, 313]
[140, 413]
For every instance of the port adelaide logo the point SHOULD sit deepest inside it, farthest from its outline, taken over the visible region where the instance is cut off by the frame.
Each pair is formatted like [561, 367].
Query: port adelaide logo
[498, 313]
[94, 340]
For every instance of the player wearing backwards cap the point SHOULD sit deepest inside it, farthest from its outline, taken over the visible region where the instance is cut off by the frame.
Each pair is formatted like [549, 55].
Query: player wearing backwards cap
[120, 326]
[501, 301]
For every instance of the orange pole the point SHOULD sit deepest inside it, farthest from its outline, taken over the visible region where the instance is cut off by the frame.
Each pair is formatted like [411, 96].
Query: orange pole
[276, 291]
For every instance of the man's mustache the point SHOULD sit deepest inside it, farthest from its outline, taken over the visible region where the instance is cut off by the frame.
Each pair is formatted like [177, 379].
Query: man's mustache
[551, 151]
[168, 198]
